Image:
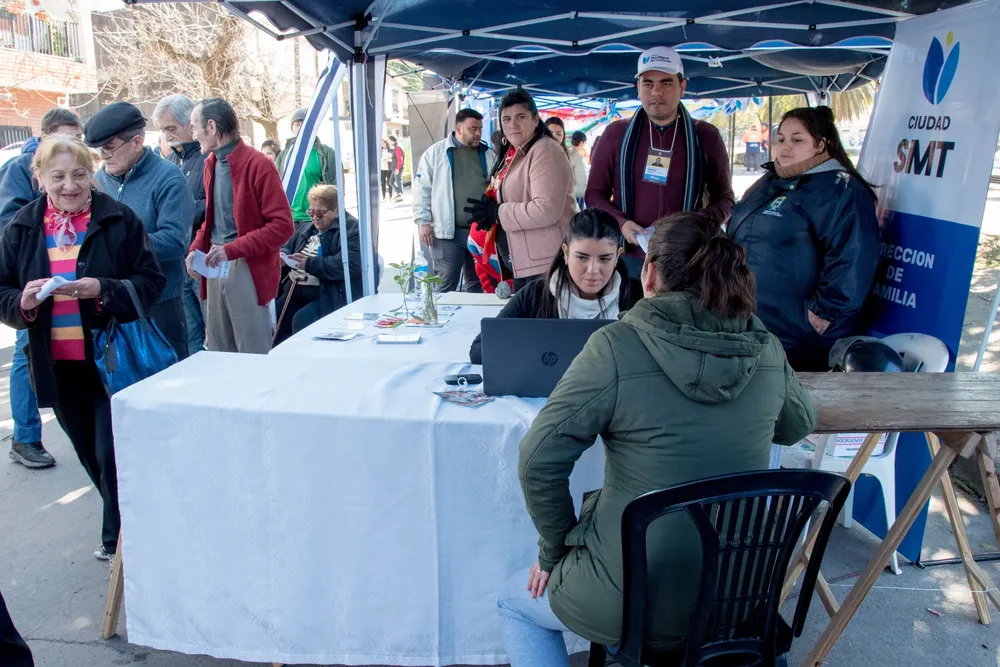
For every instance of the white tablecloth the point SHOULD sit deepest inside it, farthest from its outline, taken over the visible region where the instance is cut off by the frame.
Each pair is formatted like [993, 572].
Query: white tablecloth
[335, 512]
[450, 343]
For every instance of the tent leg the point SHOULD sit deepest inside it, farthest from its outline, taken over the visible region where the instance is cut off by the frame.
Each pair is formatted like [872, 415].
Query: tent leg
[989, 330]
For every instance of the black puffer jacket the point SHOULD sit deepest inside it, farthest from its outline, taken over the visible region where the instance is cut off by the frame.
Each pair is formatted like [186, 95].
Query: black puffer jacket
[526, 305]
[116, 247]
[812, 243]
[328, 267]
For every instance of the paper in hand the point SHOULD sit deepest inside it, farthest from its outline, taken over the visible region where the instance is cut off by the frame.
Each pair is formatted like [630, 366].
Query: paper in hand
[199, 265]
[52, 285]
[289, 262]
[642, 240]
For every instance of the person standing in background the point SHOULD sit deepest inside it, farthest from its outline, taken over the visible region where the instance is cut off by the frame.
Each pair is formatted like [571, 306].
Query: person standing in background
[451, 172]
[158, 193]
[398, 168]
[321, 167]
[754, 142]
[173, 116]
[271, 150]
[247, 220]
[387, 160]
[19, 187]
[579, 142]
[624, 178]
[558, 130]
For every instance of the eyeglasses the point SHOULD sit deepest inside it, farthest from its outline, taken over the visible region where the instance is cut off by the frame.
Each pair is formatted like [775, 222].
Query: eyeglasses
[105, 153]
[317, 212]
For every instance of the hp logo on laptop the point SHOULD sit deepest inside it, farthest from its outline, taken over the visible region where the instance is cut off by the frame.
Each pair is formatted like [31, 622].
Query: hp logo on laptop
[550, 358]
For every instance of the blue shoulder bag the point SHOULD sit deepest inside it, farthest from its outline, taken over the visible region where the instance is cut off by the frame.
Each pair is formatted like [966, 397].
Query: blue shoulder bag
[130, 352]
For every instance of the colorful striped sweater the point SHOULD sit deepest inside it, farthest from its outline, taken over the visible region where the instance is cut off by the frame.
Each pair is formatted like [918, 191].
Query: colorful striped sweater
[64, 234]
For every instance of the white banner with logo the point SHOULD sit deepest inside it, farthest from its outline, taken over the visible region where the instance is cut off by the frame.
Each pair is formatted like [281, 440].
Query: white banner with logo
[929, 148]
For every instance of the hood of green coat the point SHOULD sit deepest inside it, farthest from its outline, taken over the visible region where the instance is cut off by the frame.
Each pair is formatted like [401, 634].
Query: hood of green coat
[709, 358]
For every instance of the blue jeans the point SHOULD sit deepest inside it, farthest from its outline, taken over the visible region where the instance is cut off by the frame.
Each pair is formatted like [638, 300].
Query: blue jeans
[193, 311]
[532, 633]
[23, 404]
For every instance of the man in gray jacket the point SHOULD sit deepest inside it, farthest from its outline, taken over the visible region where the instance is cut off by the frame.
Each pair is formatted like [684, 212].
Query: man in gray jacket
[452, 171]
[173, 116]
[158, 193]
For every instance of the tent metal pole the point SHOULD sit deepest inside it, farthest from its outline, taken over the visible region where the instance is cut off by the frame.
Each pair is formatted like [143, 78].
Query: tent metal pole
[732, 143]
[863, 8]
[345, 254]
[770, 128]
[989, 330]
[359, 118]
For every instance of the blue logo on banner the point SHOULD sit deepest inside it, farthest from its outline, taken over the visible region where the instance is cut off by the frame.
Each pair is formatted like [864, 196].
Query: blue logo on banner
[939, 71]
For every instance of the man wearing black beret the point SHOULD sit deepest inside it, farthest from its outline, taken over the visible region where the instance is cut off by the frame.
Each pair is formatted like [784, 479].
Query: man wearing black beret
[158, 193]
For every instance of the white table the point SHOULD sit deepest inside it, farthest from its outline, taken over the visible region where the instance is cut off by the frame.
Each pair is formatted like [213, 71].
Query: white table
[450, 343]
[335, 512]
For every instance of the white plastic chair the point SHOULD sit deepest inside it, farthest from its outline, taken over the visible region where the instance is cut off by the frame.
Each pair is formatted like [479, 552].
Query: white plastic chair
[921, 354]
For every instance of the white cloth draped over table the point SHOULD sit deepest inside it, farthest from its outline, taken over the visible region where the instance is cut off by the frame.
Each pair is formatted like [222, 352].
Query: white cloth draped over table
[449, 343]
[331, 512]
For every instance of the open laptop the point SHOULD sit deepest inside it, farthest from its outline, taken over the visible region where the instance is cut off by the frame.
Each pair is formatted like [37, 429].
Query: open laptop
[527, 357]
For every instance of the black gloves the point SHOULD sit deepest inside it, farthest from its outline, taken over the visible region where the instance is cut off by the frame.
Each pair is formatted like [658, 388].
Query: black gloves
[485, 212]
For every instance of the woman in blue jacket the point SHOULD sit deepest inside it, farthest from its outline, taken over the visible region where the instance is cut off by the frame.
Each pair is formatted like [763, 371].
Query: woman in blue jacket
[811, 235]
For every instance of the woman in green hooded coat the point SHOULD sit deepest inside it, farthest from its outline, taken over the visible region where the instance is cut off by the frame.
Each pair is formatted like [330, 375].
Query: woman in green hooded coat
[688, 385]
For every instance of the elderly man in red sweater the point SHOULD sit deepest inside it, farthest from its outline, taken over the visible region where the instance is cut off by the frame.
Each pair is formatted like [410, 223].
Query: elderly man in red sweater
[659, 162]
[247, 220]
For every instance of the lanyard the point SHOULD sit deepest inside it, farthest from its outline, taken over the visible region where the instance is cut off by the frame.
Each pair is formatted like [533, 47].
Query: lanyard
[672, 139]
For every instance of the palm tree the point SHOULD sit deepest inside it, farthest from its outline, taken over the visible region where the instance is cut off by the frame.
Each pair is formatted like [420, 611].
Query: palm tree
[854, 103]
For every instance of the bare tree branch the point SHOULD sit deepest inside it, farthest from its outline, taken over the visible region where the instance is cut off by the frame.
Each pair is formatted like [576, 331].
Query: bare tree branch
[198, 49]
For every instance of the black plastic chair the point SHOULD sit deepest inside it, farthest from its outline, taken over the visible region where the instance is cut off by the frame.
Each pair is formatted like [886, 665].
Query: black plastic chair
[750, 525]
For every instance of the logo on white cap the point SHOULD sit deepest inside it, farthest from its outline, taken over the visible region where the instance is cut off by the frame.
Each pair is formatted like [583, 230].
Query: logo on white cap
[661, 59]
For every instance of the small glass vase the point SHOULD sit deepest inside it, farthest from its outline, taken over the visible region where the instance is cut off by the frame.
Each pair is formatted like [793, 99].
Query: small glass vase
[429, 313]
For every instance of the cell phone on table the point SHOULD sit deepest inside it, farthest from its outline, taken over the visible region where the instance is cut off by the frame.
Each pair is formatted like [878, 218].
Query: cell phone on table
[470, 378]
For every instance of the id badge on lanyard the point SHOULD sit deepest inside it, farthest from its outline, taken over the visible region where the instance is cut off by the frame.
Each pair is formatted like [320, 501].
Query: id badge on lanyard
[658, 159]
[657, 166]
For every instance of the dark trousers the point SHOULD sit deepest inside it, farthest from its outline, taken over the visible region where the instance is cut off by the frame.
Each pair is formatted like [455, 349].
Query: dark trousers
[397, 180]
[84, 413]
[454, 263]
[194, 313]
[522, 282]
[13, 651]
[170, 318]
[301, 297]
[308, 314]
[386, 183]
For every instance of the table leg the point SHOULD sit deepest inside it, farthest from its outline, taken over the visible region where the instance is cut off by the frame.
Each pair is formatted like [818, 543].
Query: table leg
[961, 537]
[939, 466]
[801, 558]
[989, 473]
[116, 591]
[826, 595]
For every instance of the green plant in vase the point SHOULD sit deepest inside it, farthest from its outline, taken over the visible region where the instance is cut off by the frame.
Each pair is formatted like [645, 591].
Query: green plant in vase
[429, 311]
[403, 278]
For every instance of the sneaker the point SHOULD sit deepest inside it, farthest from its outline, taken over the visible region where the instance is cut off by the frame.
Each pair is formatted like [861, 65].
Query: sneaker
[31, 455]
[103, 554]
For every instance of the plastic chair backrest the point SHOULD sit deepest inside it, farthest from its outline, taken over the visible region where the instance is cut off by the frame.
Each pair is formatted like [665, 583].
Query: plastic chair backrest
[921, 353]
[749, 525]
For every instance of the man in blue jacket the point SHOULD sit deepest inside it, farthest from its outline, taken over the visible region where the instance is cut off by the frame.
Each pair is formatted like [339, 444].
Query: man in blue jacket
[158, 193]
[173, 116]
[18, 188]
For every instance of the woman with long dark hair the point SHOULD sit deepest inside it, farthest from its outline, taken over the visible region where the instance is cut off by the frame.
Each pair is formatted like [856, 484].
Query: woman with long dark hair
[529, 201]
[586, 280]
[688, 385]
[811, 235]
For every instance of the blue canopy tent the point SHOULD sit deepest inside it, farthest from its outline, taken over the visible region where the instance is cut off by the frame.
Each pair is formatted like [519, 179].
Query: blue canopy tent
[731, 48]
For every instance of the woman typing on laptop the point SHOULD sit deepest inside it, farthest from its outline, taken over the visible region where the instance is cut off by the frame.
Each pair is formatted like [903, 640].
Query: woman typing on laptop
[688, 385]
[585, 281]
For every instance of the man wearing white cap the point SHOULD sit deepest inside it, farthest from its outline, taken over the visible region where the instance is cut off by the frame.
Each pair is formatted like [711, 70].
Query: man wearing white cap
[661, 161]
